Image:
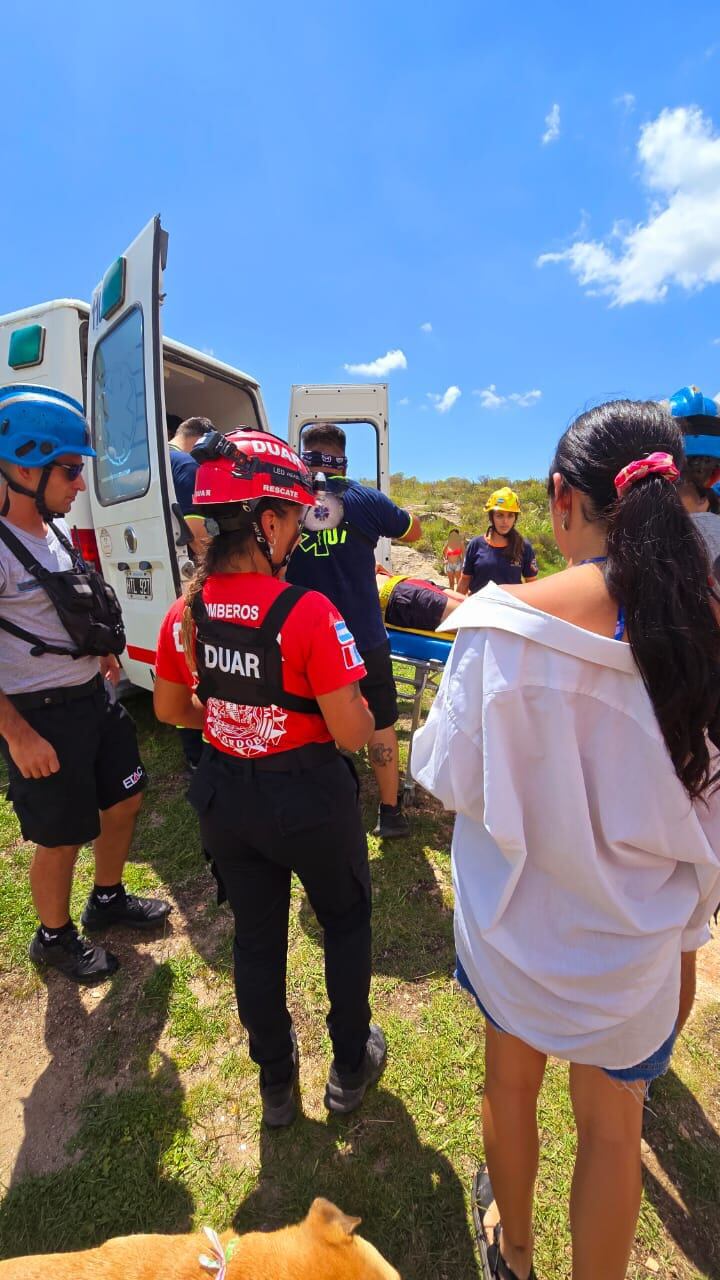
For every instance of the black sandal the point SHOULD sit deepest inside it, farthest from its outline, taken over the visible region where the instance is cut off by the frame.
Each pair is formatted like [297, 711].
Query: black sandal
[494, 1265]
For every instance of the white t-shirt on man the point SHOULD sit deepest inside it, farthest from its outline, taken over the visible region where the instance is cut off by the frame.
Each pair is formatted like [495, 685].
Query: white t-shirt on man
[24, 603]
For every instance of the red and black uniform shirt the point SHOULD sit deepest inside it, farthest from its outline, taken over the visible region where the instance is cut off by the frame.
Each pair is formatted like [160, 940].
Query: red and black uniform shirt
[319, 656]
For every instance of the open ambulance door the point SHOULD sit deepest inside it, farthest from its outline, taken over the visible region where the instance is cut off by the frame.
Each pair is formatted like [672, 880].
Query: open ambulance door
[345, 405]
[140, 539]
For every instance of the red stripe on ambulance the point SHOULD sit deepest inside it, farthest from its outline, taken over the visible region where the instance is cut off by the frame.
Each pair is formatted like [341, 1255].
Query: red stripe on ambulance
[141, 655]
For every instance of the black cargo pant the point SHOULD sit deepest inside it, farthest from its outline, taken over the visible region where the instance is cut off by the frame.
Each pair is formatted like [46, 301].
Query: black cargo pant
[260, 821]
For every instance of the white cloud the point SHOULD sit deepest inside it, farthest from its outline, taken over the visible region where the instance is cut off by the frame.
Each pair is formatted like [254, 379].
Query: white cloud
[445, 402]
[489, 398]
[378, 368]
[626, 101]
[716, 342]
[426, 327]
[552, 124]
[405, 400]
[524, 399]
[679, 243]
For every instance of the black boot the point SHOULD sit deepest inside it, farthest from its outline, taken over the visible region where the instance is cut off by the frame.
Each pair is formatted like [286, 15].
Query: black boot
[392, 823]
[343, 1093]
[279, 1107]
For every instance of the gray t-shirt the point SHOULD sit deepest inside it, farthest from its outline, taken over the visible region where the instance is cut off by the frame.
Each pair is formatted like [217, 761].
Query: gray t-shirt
[708, 526]
[23, 601]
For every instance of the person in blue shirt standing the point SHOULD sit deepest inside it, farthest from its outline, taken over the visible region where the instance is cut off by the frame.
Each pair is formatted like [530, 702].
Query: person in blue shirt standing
[502, 554]
[336, 555]
[183, 468]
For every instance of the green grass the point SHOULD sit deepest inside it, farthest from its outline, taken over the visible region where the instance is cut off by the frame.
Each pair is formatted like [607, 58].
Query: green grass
[166, 1133]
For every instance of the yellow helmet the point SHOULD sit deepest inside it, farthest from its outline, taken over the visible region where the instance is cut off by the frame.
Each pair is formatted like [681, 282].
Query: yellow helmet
[504, 499]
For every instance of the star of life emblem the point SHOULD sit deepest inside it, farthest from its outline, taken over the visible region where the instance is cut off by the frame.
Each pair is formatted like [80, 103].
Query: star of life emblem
[244, 730]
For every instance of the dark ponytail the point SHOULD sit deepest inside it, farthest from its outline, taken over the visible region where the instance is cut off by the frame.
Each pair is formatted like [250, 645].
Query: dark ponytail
[657, 569]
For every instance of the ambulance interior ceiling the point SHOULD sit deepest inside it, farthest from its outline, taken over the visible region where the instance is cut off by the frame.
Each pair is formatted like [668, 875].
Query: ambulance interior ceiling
[196, 393]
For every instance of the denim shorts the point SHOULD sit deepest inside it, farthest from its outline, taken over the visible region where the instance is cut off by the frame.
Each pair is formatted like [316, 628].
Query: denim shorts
[656, 1065]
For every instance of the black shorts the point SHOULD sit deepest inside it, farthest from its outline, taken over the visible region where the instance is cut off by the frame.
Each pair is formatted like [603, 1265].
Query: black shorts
[378, 686]
[414, 607]
[100, 765]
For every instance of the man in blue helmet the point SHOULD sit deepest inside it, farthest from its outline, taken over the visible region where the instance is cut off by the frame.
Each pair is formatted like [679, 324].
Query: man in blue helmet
[71, 752]
[699, 418]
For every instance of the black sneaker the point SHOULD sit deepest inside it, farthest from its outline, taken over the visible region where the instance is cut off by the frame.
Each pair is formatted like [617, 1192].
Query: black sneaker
[345, 1093]
[392, 823]
[75, 957]
[136, 913]
[279, 1106]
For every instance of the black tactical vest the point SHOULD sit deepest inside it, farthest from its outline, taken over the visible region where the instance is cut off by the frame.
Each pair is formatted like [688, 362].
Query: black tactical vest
[84, 602]
[243, 664]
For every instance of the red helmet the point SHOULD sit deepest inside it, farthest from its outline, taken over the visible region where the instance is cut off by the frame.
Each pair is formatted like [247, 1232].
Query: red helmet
[245, 466]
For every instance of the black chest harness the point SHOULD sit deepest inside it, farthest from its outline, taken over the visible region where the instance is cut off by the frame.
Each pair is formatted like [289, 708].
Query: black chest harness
[243, 664]
[84, 602]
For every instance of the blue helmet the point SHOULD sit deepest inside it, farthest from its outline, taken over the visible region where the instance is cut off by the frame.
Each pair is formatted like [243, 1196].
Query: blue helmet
[699, 418]
[40, 424]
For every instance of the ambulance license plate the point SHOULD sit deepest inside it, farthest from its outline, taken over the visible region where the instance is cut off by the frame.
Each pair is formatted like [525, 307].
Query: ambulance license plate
[139, 585]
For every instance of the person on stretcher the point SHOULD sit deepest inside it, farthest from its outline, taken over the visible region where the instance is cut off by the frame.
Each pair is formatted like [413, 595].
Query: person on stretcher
[414, 604]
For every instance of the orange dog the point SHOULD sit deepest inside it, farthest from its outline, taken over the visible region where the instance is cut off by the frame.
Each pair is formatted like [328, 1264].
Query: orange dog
[321, 1247]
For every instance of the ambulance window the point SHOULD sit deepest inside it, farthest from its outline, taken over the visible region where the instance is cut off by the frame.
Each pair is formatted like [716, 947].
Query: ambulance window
[119, 415]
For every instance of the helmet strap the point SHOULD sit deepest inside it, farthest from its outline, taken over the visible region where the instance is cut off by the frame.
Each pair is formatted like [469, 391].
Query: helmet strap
[40, 502]
[264, 546]
[38, 494]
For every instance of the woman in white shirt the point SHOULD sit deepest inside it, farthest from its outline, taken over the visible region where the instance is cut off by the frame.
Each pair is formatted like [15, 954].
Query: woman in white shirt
[571, 735]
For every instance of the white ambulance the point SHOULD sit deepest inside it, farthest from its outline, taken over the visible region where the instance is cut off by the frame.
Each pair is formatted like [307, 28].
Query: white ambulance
[113, 357]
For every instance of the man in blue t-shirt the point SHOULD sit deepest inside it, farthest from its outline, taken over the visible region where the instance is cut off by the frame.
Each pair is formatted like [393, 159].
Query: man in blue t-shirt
[183, 467]
[339, 560]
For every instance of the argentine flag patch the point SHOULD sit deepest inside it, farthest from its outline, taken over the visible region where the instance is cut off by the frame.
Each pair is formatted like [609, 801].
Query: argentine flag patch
[346, 639]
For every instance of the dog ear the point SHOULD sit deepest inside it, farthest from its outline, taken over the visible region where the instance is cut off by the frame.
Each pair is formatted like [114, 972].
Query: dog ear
[335, 1225]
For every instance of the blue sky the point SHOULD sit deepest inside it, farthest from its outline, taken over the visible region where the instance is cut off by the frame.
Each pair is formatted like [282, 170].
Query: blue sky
[335, 176]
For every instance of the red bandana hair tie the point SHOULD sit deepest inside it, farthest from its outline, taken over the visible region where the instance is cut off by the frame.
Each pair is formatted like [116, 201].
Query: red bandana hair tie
[656, 464]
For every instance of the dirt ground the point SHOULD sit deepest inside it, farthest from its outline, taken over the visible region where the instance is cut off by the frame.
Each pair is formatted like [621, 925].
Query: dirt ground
[48, 1035]
[416, 563]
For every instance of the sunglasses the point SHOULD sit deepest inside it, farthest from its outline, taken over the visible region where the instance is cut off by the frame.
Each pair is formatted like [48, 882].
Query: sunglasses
[316, 458]
[73, 469]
